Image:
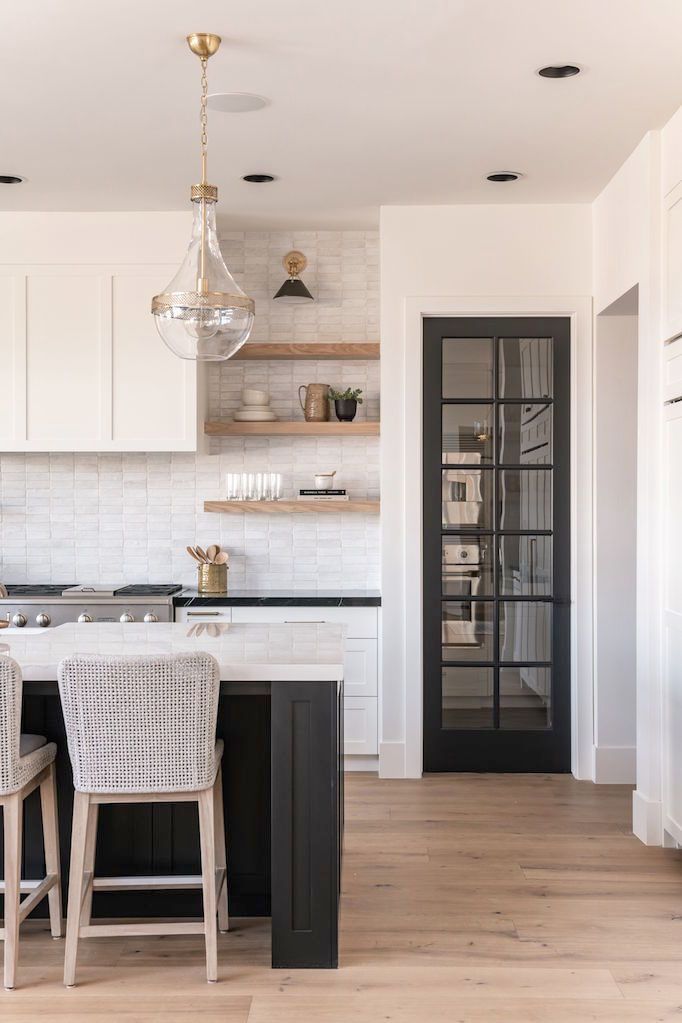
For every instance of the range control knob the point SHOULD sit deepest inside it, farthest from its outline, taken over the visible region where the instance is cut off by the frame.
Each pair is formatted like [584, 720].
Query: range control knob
[43, 619]
[19, 620]
[126, 617]
[84, 618]
[150, 617]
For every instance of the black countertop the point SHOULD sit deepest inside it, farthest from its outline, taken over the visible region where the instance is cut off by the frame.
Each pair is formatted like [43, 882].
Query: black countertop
[191, 597]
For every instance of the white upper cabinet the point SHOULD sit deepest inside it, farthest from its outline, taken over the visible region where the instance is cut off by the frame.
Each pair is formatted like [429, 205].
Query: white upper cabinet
[82, 365]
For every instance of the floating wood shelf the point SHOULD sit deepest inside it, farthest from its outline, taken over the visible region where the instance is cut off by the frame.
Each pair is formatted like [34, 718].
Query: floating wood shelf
[309, 350]
[296, 428]
[268, 507]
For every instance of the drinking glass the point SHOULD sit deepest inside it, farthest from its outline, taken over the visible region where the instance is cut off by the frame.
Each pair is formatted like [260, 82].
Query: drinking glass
[275, 486]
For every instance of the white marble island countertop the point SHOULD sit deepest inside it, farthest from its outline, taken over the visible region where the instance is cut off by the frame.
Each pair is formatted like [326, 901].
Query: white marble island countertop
[245, 653]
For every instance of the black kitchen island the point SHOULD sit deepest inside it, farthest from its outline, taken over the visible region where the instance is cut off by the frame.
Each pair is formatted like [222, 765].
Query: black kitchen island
[280, 716]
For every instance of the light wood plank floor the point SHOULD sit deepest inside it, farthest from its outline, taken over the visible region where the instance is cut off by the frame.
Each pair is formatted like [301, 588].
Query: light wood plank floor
[467, 898]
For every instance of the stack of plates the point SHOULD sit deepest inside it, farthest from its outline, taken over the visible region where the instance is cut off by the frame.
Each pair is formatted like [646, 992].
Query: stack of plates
[254, 414]
[255, 407]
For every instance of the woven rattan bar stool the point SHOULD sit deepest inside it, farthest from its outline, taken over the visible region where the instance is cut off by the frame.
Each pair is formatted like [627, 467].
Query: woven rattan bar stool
[140, 730]
[26, 762]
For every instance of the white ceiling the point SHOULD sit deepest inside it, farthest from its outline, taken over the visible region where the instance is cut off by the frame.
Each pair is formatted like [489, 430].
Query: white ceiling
[372, 102]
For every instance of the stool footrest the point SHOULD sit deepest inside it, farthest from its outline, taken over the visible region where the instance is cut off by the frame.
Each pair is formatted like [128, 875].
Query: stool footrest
[134, 930]
[146, 883]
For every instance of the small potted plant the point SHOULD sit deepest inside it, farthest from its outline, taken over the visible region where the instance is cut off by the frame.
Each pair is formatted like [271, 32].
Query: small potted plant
[346, 403]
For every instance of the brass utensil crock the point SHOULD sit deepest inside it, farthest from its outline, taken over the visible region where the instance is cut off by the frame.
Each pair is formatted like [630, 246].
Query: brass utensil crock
[212, 578]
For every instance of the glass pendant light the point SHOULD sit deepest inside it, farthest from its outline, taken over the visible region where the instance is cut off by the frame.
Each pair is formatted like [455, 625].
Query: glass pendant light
[203, 314]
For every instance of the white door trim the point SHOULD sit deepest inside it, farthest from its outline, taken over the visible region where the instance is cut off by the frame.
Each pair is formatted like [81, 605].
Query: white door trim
[579, 310]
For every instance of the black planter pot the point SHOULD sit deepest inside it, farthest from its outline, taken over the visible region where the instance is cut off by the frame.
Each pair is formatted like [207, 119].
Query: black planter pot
[346, 409]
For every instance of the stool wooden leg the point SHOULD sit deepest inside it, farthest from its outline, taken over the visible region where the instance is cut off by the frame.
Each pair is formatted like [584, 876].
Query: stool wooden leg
[13, 819]
[48, 807]
[208, 865]
[89, 865]
[220, 851]
[79, 831]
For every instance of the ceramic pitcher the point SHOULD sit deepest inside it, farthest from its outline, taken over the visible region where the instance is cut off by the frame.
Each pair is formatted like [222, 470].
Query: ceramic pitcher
[316, 406]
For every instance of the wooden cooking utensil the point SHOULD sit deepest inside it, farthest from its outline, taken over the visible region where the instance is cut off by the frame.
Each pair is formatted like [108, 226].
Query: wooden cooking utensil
[202, 554]
[193, 554]
[212, 553]
[221, 558]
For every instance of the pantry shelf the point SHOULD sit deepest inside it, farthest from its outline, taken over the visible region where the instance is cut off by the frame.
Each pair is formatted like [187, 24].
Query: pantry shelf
[270, 507]
[295, 428]
[309, 350]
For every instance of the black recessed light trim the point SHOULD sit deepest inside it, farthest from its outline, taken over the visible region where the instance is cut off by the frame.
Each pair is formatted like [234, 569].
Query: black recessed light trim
[504, 176]
[258, 179]
[10, 179]
[559, 71]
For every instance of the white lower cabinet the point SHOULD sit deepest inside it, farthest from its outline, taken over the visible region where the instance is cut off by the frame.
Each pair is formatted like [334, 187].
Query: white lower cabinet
[361, 658]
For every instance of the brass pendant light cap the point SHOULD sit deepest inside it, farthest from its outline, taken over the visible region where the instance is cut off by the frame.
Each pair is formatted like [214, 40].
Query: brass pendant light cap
[203, 191]
[203, 44]
[294, 263]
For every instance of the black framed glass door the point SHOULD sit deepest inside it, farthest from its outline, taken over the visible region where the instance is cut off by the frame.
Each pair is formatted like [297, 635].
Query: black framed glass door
[496, 521]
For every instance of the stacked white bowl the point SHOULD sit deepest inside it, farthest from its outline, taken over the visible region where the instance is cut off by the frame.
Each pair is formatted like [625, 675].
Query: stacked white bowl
[255, 407]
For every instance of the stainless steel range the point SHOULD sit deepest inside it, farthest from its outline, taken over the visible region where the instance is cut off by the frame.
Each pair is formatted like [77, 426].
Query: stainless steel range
[51, 605]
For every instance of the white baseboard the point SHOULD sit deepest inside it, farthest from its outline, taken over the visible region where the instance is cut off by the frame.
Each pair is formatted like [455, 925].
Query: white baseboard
[647, 819]
[615, 765]
[358, 763]
[392, 760]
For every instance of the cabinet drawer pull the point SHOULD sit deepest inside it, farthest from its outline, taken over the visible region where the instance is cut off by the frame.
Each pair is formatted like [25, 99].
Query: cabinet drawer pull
[204, 614]
[310, 621]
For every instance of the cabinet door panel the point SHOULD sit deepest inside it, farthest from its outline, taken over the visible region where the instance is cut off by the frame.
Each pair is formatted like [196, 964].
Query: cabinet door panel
[360, 668]
[65, 347]
[153, 391]
[360, 726]
[672, 262]
[11, 292]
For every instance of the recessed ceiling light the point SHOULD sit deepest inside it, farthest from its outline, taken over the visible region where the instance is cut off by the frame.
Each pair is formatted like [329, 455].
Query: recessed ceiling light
[10, 179]
[505, 176]
[559, 71]
[236, 102]
[258, 179]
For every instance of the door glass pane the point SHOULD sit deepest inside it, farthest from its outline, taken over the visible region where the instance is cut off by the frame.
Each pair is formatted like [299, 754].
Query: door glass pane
[525, 631]
[467, 434]
[467, 697]
[525, 499]
[467, 367]
[467, 630]
[525, 367]
[526, 566]
[525, 697]
[467, 498]
[467, 566]
[525, 433]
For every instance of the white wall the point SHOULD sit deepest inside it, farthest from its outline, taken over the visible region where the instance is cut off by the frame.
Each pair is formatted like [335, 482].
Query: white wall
[120, 518]
[482, 259]
[615, 545]
[627, 253]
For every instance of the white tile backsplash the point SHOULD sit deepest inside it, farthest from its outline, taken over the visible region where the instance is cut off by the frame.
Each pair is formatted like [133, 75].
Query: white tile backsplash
[128, 517]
